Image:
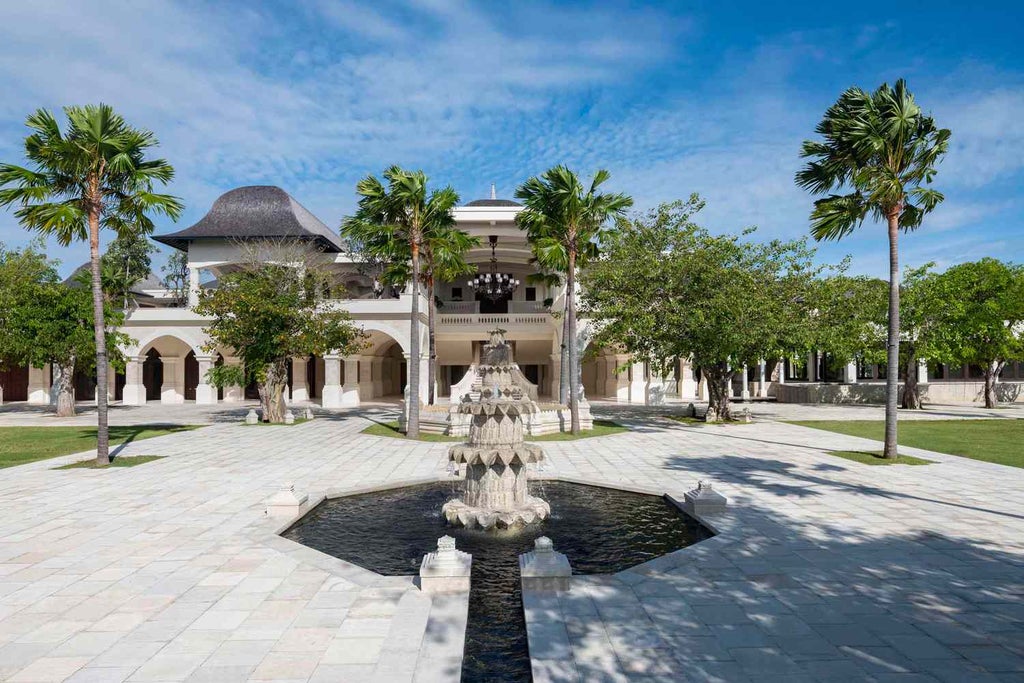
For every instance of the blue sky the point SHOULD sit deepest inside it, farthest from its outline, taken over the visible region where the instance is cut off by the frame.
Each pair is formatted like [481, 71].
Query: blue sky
[705, 97]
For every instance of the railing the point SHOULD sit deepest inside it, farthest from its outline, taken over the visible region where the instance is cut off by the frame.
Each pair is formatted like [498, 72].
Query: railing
[494, 319]
[450, 307]
[526, 307]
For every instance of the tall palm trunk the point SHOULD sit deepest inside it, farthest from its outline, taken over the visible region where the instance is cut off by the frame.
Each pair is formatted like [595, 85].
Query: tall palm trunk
[574, 394]
[99, 327]
[563, 374]
[892, 375]
[431, 344]
[412, 402]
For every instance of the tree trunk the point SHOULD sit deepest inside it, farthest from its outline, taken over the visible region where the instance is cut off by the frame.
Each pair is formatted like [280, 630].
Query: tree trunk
[99, 327]
[272, 393]
[992, 370]
[719, 377]
[412, 402]
[563, 374]
[892, 375]
[911, 392]
[431, 345]
[64, 389]
[574, 393]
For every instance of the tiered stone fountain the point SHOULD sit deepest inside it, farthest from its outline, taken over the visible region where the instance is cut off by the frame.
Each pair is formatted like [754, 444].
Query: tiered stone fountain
[496, 494]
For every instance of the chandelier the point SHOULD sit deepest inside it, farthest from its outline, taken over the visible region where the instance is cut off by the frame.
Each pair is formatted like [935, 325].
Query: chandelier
[492, 284]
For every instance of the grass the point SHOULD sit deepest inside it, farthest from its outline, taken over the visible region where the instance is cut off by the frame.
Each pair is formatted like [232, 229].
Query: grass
[125, 461]
[601, 428]
[20, 445]
[875, 458]
[994, 440]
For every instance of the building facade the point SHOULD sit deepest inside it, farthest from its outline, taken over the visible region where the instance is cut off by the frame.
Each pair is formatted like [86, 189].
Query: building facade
[170, 354]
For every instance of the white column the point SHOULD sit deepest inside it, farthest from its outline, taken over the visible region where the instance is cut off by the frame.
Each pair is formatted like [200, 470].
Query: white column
[206, 393]
[233, 393]
[193, 287]
[173, 389]
[922, 372]
[556, 374]
[781, 366]
[687, 383]
[300, 389]
[332, 394]
[762, 379]
[366, 378]
[637, 383]
[745, 390]
[350, 390]
[423, 377]
[377, 377]
[702, 388]
[39, 385]
[850, 373]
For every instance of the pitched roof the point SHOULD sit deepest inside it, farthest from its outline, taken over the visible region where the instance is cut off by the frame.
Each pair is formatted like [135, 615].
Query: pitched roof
[493, 202]
[256, 212]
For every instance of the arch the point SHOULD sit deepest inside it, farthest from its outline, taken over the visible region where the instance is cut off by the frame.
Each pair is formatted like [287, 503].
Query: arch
[381, 333]
[167, 340]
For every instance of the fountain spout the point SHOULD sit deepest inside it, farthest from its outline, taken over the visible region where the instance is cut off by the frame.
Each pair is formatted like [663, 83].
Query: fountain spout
[496, 493]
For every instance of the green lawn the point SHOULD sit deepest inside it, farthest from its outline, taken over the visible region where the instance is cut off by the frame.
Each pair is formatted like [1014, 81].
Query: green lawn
[996, 440]
[601, 428]
[126, 461]
[19, 445]
[875, 458]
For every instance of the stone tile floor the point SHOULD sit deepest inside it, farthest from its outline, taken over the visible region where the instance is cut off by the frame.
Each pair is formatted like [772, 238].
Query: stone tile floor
[824, 569]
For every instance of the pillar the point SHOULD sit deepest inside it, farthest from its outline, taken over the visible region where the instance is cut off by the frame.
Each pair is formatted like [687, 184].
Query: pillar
[233, 393]
[922, 372]
[332, 395]
[762, 379]
[850, 373]
[637, 384]
[617, 383]
[193, 288]
[702, 389]
[687, 382]
[377, 377]
[173, 389]
[366, 377]
[300, 389]
[350, 389]
[556, 375]
[812, 366]
[39, 385]
[206, 393]
[781, 366]
[745, 387]
[423, 377]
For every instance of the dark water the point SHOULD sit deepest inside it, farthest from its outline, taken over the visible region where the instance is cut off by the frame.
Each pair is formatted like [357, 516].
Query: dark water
[602, 531]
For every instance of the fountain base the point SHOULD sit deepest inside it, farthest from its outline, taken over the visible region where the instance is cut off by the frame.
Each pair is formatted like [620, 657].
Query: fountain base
[529, 511]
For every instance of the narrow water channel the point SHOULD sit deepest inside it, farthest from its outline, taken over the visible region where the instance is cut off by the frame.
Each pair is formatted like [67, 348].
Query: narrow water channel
[602, 531]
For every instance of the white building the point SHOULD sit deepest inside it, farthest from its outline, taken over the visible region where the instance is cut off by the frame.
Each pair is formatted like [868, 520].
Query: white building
[169, 359]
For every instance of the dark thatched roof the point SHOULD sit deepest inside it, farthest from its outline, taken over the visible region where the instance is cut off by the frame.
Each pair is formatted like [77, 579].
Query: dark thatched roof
[493, 202]
[256, 212]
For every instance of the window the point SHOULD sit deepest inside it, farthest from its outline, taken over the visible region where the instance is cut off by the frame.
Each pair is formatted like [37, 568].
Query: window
[531, 293]
[456, 293]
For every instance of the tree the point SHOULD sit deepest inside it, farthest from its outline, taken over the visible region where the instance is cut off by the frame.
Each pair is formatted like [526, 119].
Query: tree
[93, 176]
[665, 288]
[176, 276]
[403, 212]
[48, 322]
[565, 222]
[125, 263]
[848, 317]
[922, 305]
[982, 320]
[882, 151]
[271, 310]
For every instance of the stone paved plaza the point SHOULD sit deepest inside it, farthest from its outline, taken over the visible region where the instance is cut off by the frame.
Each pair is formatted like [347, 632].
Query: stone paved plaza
[823, 570]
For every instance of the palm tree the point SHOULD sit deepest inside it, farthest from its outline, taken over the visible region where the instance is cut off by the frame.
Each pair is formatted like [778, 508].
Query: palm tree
[563, 222]
[881, 150]
[403, 212]
[93, 176]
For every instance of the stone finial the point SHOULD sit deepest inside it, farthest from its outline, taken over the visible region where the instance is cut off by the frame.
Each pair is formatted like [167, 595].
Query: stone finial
[251, 417]
[447, 569]
[543, 569]
[308, 414]
[704, 500]
[286, 502]
[289, 417]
